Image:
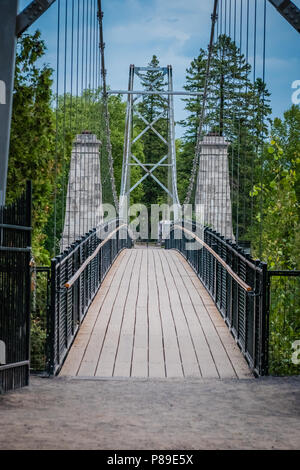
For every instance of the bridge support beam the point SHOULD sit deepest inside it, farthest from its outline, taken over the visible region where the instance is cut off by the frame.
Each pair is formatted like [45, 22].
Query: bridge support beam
[84, 196]
[213, 190]
[9, 10]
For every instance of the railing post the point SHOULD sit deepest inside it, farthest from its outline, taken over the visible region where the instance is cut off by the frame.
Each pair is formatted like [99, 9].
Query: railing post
[214, 246]
[28, 208]
[117, 240]
[73, 300]
[51, 321]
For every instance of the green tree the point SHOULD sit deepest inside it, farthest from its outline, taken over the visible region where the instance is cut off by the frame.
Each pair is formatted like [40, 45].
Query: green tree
[274, 233]
[32, 145]
[32, 157]
[75, 114]
[236, 109]
[275, 238]
[287, 133]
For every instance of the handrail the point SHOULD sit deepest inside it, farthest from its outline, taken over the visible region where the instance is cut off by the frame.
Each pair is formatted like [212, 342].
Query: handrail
[86, 237]
[75, 276]
[234, 250]
[16, 227]
[284, 272]
[242, 283]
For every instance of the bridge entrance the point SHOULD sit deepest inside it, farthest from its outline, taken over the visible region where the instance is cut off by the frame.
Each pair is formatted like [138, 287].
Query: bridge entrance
[145, 313]
[153, 318]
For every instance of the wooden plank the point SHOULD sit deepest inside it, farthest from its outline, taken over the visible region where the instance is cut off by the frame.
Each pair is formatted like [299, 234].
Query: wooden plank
[124, 352]
[237, 360]
[205, 359]
[139, 366]
[156, 341]
[152, 317]
[173, 362]
[75, 356]
[187, 349]
[91, 355]
[107, 356]
[218, 351]
[123, 361]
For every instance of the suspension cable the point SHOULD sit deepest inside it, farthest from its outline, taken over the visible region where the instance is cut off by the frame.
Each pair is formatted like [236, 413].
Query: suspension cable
[106, 112]
[202, 116]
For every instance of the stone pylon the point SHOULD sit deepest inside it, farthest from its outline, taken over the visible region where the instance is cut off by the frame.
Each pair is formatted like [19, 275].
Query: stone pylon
[84, 196]
[212, 197]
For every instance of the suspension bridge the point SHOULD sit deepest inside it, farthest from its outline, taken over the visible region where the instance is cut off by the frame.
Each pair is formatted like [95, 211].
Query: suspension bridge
[194, 304]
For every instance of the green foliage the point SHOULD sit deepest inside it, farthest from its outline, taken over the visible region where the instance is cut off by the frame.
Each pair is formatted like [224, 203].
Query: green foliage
[40, 150]
[275, 237]
[41, 143]
[236, 109]
[72, 115]
[32, 136]
[284, 325]
[287, 133]
[38, 337]
[39, 298]
[265, 181]
[75, 115]
[184, 160]
[273, 233]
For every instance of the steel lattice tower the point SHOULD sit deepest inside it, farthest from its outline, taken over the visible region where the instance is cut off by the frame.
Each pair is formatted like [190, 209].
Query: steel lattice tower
[169, 159]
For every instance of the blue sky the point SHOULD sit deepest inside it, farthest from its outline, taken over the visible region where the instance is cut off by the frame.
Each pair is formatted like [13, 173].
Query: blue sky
[175, 30]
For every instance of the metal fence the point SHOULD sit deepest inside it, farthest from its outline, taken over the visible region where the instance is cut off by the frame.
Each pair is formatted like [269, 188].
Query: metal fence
[284, 313]
[236, 283]
[15, 254]
[76, 276]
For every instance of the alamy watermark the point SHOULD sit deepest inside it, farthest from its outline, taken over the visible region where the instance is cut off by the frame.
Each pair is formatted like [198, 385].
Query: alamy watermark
[296, 353]
[2, 353]
[156, 222]
[296, 93]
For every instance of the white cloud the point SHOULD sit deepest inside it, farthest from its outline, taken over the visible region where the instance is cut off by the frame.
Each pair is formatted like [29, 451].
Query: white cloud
[148, 30]
[174, 30]
[166, 22]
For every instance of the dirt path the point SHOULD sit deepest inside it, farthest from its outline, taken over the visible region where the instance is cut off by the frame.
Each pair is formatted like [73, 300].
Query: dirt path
[139, 414]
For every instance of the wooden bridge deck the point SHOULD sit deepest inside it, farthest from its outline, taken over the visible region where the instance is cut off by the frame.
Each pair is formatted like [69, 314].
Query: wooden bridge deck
[153, 318]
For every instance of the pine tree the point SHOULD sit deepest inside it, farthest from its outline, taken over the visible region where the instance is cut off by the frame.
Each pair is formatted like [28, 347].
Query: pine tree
[195, 81]
[287, 131]
[236, 109]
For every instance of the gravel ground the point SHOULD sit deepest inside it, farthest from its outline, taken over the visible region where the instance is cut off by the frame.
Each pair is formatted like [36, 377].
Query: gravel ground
[140, 414]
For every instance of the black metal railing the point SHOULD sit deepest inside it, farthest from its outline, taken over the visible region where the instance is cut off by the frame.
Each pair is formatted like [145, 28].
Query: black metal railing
[284, 313]
[237, 284]
[15, 254]
[76, 276]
